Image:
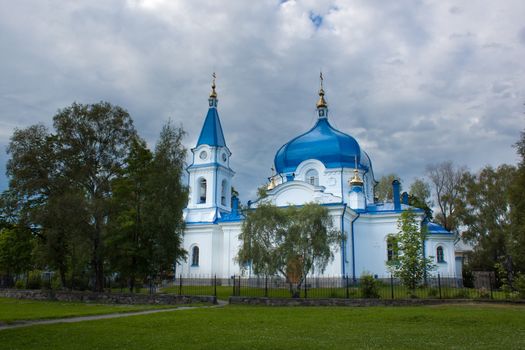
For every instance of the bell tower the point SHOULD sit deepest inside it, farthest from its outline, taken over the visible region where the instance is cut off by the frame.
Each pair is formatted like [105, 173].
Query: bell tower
[210, 174]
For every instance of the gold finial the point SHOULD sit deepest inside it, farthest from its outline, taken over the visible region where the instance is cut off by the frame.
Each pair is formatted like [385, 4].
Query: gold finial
[272, 184]
[321, 103]
[213, 93]
[356, 180]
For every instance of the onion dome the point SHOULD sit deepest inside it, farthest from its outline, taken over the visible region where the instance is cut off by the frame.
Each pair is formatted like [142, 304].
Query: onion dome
[323, 142]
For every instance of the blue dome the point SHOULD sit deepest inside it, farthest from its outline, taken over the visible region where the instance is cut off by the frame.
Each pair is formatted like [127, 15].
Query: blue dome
[324, 143]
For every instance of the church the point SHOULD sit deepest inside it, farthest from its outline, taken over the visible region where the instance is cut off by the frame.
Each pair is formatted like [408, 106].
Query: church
[322, 165]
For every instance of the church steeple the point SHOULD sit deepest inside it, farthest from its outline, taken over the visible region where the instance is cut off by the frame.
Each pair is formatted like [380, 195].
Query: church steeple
[211, 133]
[322, 106]
[210, 175]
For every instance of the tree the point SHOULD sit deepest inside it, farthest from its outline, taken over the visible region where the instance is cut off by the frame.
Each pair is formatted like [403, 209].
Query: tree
[16, 245]
[83, 157]
[517, 202]
[447, 181]
[419, 196]
[383, 190]
[167, 196]
[288, 241]
[486, 214]
[410, 265]
[129, 240]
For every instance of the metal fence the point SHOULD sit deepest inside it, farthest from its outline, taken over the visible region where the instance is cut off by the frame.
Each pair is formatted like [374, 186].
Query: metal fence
[384, 287]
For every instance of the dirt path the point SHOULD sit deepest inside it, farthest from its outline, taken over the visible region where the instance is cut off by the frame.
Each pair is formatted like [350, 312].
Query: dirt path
[20, 324]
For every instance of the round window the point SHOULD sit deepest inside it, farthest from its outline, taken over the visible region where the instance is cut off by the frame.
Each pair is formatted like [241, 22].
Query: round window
[203, 155]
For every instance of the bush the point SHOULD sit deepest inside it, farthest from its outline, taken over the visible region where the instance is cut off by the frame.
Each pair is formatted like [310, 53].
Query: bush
[19, 284]
[34, 280]
[520, 285]
[433, 292]
[461, 294]
[369, 286]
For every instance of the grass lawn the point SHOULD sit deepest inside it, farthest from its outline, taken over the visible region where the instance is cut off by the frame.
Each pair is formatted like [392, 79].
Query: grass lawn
[18, 309]
[242, 327]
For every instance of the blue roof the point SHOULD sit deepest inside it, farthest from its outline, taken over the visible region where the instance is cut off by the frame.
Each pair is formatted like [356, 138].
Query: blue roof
[437, 229]
[211, 133]
[332, 147]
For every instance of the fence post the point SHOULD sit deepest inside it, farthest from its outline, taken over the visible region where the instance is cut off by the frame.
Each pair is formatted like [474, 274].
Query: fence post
[490, 285]
[305, 295]
[215, 285]
[180, 284]
[392, 285]
[347, 290]
[439, 285]
[266, 286]
[239, 287]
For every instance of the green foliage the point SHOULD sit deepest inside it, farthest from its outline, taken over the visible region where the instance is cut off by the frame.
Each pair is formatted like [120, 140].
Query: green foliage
[520, 285]
[486, 214]
[383, 190]
[16, 246]
[289, 241]
[369, 286]
[34, 279]
[80, 190]
[411, 265]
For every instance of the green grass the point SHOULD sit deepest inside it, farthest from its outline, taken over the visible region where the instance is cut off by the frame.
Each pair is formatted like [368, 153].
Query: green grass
[241, 327]
[16, 309]
[400, 292]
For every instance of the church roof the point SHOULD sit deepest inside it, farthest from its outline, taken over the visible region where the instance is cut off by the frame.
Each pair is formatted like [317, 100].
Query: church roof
[211, 133]
[323, 142]
[437, 229]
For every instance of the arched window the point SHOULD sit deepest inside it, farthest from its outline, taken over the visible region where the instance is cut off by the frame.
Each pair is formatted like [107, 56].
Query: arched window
[440, 255]
[202, 190]
[392, 248]
[224, 192]
[195, 256]
[312, 177]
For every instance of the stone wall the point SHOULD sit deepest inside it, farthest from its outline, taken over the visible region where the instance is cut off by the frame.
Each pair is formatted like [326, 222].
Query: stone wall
[357, 302]
[106, 298]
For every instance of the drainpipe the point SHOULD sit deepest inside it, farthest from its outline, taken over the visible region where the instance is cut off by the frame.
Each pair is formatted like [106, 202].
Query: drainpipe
[343, 243]
[353, 246]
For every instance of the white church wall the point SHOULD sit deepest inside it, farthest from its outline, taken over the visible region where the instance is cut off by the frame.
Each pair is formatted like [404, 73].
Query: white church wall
[448, 266]
[230, 242]
[370, 237]
[200, 236]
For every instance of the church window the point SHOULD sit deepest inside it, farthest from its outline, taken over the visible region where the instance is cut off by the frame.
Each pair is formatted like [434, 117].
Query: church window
[202, 190]
[195, 256]
[223, 192]
[440, 255]
[312, 177]
[392, 248]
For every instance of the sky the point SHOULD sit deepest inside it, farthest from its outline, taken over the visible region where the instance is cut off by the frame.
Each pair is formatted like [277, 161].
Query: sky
[414, 82]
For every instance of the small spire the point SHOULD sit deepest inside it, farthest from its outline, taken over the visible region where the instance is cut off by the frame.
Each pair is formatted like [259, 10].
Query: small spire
[321, 103]
[356, 181]
[213, 93]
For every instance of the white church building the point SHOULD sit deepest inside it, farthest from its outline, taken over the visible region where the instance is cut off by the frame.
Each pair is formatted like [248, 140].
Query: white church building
[322, 165]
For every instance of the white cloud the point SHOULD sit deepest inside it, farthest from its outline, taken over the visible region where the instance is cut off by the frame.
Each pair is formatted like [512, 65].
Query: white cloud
[415, 82]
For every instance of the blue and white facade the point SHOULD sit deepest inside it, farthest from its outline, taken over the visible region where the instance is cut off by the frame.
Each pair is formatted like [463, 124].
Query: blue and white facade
[322, 165]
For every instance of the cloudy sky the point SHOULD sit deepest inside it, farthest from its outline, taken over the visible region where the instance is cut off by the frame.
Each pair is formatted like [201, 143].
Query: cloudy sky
[415, 82]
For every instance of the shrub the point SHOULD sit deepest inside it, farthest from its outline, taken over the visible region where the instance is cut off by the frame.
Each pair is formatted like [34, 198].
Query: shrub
[34, 280]
[19, 284]
[433, 292]
[461, 294]
[369, 286]
[483, 293]
[520, 285]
